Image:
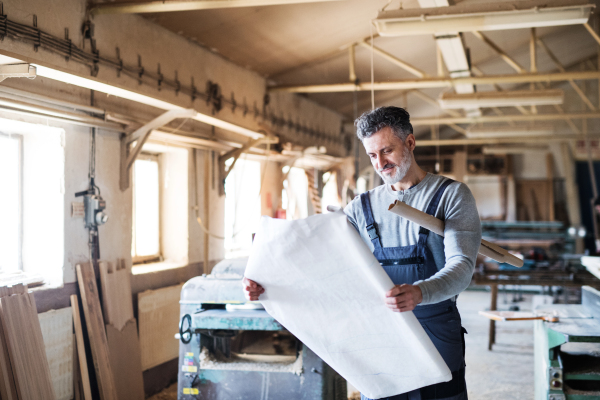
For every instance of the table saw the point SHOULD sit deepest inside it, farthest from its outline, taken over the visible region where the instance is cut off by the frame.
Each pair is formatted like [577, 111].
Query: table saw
[231, 349]
[567, 352]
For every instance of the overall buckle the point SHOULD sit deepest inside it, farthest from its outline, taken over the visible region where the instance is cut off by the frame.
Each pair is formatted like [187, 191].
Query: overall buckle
[372, 231]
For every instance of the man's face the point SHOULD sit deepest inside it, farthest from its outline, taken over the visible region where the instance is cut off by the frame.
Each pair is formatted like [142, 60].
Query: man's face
[390, 157]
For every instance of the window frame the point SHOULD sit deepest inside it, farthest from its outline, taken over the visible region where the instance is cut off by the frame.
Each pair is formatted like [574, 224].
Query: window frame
[140, 260]
[20, 152]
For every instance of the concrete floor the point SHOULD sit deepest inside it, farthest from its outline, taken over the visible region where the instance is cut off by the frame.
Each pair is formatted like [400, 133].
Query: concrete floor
[504, 373]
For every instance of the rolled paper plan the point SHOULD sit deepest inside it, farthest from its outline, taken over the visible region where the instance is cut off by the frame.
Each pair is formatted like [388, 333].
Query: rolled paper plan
[437, 226]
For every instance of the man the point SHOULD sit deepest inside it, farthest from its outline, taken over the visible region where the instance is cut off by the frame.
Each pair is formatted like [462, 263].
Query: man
[429, 271]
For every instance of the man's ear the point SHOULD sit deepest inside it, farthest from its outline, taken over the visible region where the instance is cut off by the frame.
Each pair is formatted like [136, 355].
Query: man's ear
[410, 142]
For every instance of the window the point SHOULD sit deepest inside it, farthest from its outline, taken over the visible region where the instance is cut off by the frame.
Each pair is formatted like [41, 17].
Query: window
[32, 202]
[146, 210]
[295, 193]
[160, 232]
[11, 172]
[330, 191]
[242, 207]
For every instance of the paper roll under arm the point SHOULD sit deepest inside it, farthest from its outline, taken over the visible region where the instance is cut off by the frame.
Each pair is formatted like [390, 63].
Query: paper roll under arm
[437, 226]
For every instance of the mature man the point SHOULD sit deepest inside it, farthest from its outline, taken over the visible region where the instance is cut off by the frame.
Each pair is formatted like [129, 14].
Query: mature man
[429, 271]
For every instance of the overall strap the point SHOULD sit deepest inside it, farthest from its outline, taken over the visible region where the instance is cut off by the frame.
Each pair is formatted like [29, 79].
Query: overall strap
[432, 207]
[369, 220]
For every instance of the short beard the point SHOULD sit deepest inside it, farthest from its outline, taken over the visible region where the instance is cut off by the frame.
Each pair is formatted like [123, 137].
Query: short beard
[400, 170]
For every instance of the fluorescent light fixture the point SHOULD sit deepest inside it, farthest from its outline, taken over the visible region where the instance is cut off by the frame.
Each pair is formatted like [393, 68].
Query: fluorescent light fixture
[22, 70]
[140, 98]
[509, 131]
[483, 17]
[501, 99]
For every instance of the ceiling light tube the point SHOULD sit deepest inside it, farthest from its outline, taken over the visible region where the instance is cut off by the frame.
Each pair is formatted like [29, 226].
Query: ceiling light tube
[501, 99]
[483, 17]
[510, 131]
[140, 98]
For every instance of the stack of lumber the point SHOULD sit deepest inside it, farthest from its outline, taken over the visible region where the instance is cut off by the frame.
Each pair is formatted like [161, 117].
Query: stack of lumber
[121, 330]
[23, 364]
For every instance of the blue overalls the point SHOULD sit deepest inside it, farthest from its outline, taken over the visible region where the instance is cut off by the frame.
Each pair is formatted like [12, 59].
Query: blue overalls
[441, 321]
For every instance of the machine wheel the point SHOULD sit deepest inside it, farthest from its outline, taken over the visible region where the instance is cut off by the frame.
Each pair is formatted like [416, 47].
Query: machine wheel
[185, 334]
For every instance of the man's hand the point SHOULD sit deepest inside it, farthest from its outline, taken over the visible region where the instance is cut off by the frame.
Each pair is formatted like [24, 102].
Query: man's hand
[252, 289]
[403, 297]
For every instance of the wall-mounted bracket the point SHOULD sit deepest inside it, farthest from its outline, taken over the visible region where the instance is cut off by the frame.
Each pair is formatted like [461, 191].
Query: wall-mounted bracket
[235, 154]
[131, 144]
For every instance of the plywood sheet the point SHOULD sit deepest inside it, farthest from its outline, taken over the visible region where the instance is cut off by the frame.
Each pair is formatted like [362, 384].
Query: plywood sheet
[57, 332]
[116, 293]
[158, 313]
[126, 361]
[96, 331]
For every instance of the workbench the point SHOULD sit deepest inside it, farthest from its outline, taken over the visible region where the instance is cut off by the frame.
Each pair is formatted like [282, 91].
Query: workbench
[567, 352]
[544, 278]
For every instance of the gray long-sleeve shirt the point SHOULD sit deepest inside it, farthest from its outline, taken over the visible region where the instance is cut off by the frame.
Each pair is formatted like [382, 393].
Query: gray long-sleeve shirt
[454, 254]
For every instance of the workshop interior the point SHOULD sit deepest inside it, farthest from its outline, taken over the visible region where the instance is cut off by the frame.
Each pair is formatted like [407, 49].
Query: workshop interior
[142, 142]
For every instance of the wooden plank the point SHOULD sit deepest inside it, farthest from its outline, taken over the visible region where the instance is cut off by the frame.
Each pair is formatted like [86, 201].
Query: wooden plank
[8, 390]
[42, 375]
[11, 330]
[77, 395]
[96, 331]
[158, 313]
[26, 347]
[126, 361]
[518, 316]
[83, 366]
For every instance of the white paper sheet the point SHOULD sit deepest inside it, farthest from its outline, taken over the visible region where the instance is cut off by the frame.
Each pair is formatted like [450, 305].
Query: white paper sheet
[324, 285]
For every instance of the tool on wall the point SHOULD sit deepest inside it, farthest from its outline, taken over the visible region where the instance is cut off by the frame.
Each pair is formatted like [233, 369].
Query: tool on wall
[94, 204]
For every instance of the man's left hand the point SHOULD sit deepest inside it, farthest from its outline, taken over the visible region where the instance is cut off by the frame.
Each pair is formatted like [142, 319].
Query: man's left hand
[403, 297]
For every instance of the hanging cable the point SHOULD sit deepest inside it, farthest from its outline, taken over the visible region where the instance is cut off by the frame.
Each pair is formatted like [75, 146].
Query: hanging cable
[372, 72]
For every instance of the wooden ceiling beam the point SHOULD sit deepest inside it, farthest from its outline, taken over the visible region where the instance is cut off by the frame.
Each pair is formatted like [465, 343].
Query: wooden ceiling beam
[436, 82]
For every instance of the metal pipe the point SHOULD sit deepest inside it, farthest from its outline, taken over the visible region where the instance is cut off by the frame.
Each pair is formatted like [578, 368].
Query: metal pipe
[178, 5]
[94, 123]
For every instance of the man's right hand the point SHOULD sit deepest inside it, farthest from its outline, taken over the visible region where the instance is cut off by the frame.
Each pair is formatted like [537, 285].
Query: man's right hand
[252, 289]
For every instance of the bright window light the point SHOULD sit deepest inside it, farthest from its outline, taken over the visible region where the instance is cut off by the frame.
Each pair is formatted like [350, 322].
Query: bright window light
[242, 207]
[330, 191]
[296, 199]
[10, 203]
[146, 206]
[36, 240]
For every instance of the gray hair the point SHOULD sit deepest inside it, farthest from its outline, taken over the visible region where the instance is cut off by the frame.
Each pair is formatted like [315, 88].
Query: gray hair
[375, 120]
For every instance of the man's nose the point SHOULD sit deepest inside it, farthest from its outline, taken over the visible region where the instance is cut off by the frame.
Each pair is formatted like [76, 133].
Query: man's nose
[379, 163]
